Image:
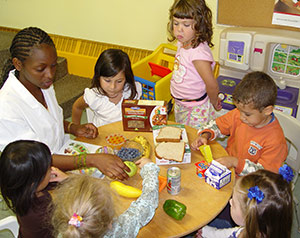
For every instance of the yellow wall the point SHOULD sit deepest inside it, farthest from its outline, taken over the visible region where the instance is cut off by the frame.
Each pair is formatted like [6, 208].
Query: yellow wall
[133, 23]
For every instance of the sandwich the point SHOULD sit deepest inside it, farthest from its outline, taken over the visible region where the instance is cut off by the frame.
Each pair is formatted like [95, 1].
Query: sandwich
[170, 151]
[169, 134]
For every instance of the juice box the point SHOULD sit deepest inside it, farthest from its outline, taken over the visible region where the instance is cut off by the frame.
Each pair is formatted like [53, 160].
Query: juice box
[217, 175]
[201, 167]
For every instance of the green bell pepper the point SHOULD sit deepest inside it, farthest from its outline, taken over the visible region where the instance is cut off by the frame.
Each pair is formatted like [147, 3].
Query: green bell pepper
[174, 209]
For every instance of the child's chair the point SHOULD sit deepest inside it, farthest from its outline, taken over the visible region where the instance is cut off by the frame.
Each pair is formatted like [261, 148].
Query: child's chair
[10, 223]
[291, 129]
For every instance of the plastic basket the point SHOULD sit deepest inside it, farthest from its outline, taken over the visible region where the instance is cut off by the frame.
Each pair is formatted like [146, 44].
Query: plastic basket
[154, 73]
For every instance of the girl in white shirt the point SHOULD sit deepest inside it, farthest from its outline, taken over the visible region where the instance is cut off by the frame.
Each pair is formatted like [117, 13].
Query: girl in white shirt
[29, 109]
[113, 81]
[261, 205]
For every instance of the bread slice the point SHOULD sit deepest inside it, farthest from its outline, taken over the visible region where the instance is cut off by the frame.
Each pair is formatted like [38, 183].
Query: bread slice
[170, 151]
[169, 134]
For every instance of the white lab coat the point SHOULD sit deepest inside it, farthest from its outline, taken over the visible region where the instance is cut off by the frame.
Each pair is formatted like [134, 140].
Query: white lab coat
[23, 117]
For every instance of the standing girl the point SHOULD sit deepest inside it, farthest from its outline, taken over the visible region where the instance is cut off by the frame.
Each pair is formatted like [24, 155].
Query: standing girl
[262, 206]
[25, 173]
[113, 81]
[193, 86]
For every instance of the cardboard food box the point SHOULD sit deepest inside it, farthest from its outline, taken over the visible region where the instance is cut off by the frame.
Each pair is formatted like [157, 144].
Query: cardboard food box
[217, 175]
[142, 115]
[201, 167]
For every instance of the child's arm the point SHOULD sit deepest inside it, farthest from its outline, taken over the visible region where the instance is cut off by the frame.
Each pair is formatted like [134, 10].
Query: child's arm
[57, 175]
[77, 109]
[202, 139]
[207, 132]
[142, 210]
[212, 87]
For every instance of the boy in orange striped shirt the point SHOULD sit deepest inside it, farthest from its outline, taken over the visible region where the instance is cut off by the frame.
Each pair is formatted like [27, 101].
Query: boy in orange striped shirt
[256, 140]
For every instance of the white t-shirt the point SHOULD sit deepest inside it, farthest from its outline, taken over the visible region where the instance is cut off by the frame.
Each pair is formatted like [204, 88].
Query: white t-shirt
[104, 111]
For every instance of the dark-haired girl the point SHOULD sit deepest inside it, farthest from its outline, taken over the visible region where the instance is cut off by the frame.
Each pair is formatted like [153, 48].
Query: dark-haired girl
[113, 81]
[25, 173]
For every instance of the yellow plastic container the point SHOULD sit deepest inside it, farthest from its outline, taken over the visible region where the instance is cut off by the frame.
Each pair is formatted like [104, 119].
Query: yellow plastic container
[156, 87]
[206, 152]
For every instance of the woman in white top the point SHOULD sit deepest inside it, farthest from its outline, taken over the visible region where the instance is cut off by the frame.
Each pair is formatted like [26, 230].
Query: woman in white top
[113, 81]
[29, 109]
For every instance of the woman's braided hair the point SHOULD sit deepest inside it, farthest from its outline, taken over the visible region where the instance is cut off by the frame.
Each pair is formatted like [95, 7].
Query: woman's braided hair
[21, 46]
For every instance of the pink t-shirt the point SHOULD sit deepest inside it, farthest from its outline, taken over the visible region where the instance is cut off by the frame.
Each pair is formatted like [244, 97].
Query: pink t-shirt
[186, 82]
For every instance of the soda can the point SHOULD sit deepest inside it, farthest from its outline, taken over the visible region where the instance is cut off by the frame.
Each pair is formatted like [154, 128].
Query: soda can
[173, 180]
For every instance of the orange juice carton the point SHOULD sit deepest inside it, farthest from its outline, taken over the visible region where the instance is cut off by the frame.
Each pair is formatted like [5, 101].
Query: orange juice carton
[217, 175]
[142, 115]
[201, 167]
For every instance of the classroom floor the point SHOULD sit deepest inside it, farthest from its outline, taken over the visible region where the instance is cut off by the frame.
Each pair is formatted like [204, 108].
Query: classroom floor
[4, 211]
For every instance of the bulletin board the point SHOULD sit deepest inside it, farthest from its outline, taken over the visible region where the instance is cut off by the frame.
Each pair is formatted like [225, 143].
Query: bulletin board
[251, 13]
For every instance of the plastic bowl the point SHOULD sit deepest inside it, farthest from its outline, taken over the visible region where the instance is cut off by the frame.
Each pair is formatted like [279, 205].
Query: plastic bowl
[130, 151]
[116, 141]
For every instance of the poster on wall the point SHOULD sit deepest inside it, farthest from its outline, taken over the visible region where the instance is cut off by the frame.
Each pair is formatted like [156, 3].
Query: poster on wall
[286, 13]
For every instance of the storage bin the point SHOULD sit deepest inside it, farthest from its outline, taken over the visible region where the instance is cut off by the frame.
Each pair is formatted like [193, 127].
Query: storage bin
[155, 79]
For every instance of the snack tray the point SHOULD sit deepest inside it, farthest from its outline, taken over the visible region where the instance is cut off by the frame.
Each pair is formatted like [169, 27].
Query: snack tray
[73, 147]
[187, 153]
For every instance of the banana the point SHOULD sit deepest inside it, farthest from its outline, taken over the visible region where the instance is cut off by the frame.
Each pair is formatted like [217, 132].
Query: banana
[125, 190]
[145, 144]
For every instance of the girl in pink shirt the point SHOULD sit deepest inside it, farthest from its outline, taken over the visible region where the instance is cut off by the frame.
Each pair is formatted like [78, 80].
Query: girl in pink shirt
[193, 86]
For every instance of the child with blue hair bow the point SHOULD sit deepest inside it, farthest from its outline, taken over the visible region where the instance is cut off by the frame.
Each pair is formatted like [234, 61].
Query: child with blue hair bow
[261, 206]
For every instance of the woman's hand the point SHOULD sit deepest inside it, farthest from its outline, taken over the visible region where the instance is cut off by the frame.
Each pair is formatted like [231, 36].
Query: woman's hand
[57, 175]
[88, 130]
[112, 166]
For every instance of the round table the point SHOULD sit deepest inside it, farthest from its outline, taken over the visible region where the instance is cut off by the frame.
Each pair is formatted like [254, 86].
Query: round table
[203, 201]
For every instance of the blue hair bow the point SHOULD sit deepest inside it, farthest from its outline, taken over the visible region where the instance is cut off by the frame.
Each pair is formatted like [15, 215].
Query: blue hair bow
[255, 192]
[286, 172]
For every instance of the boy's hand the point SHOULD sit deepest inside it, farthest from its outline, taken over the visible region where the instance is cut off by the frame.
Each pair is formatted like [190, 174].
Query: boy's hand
[141, 162]
[228, 161]
[200, 140]
[57, 175]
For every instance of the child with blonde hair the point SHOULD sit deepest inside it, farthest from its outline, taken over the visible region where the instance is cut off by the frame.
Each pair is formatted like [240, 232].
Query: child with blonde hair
[261, 205]
[193, 85]
[83, 206]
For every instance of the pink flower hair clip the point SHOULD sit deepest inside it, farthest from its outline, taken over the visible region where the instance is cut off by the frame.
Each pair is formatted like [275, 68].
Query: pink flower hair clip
[75, 220]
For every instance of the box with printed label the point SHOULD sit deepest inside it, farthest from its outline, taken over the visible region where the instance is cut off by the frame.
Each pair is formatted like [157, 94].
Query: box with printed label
[217, 175]
[142, 115]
